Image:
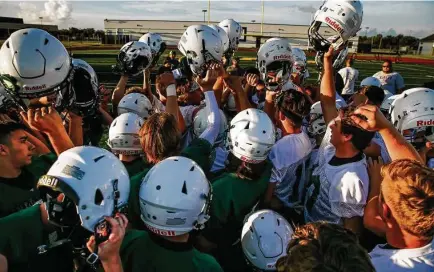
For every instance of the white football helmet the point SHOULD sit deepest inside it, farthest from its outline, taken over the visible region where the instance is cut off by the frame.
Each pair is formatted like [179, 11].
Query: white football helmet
[275, 57]
[156, 44]
[200, 123]
[413, 109]
[264, 238]
[175, 197]
[124, 134]
[95, 184]
[342, 16]
[223, 36]
[34, 64]
[370, 81]
[317, 124]
[251, 136]
[133, 58]
[299, 65]
[136, 103]
[387, 103]
[234, 32]
[201, 45]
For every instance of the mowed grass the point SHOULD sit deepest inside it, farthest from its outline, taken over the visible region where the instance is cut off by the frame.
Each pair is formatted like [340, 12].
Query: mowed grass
[414, 74]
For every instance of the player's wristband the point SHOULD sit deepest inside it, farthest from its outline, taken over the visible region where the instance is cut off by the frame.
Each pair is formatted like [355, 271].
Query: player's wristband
[171, 90]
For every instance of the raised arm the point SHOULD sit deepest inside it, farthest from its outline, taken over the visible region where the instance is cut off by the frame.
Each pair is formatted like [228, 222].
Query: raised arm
[119, 92]
[206, 85]
[327, 88]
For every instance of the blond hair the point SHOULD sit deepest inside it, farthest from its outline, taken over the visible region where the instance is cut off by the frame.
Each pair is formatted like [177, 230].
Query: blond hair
[408, 190]
[160, 137]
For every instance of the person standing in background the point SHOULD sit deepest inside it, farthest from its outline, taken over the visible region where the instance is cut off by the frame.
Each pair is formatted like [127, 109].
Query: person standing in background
[174, 63]
[391, 81]
[349, 75]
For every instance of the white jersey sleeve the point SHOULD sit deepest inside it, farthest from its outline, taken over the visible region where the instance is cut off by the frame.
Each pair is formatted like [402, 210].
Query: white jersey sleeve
[348, 194]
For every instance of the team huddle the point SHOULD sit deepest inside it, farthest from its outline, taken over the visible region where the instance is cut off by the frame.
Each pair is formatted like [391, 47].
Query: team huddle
[210, 166]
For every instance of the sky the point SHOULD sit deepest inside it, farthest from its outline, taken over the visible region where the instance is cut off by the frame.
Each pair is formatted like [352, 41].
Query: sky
[386, 17]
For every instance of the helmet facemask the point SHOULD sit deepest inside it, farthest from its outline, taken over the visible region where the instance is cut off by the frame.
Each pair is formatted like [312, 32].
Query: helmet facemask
[276, 74]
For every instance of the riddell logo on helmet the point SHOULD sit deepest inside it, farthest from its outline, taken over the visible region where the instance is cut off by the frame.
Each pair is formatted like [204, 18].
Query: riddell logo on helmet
[334, 25]
[282, 57]
[35, 88]
[161, 232]
[425, 123]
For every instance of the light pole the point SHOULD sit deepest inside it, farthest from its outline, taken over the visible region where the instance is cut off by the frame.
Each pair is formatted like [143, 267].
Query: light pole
[262, 19]
[209, 11]
[204, 11]
[366, 33]
[40, 18]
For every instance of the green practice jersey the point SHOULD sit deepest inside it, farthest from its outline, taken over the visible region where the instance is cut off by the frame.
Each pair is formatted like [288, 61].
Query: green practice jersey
[142, 252]
[20, 192]
[136, 166]
[233, 198]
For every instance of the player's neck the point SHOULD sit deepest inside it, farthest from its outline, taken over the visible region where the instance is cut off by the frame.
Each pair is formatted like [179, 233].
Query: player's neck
[128, 158]
[178, 239]
[288, 129]
[399, 238]
[8, 170]
[346, 150]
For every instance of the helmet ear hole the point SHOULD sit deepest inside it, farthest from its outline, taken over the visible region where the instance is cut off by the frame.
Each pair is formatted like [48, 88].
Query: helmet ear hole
[99, 198]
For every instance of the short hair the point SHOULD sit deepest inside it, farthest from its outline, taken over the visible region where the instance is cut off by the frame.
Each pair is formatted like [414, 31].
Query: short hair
[408, 189]
[134, 89]
[160, 137]
[361, 137]
[389, 62]
[350, 60]
[327, 247]
[294, 105]
[374, 94]
[6, 128]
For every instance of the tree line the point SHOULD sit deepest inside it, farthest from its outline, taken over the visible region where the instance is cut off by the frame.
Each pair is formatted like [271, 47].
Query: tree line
[390, 42]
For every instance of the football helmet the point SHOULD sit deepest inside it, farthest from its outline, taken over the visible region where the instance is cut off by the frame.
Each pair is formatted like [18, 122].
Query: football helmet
[223, 36]
[274, 62]
[413, 110]
[156, 43]
[317, 124]
[344, 17]
[264, 238]
[124, 134]
[251, 136]
[34, 64]
[133, 58]
[136, 103]
[83, 98]
[234, 31]
[201, 45]
[175, 204]
[89, 194]
[201, 120]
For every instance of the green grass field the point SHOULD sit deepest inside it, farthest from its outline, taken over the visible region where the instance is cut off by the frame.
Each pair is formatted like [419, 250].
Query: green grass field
[414, 74]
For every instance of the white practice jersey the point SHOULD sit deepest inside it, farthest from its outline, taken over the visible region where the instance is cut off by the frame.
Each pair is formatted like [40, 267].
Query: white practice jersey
[289, 156]
[349, 75]
[335, 192]
[400, 260]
